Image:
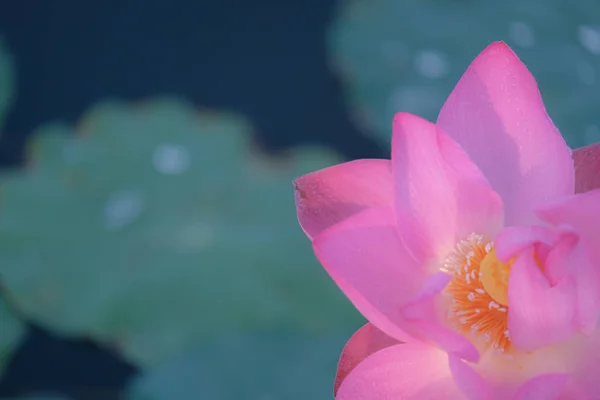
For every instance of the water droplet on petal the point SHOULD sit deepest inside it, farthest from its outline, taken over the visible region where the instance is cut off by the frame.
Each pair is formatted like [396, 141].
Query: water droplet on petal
[122, 208]
[431, 64]
[171, 159]
[521, 33]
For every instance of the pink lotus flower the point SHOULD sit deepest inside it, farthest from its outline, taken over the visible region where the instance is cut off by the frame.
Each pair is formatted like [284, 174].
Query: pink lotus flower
[469, 252]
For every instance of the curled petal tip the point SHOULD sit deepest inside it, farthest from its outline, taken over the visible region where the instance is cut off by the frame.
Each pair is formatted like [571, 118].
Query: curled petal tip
[328, 196]
[587, 168]
[366, 341]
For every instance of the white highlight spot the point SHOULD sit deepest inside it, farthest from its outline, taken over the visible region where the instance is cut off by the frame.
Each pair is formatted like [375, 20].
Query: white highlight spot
[431, 64]
[122, 208]
[521, 33]
[171, 159]
[589, 37]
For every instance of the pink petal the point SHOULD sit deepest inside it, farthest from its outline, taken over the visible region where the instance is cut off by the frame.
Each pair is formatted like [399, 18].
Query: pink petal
[587, 282]
[423, 314]
[542, 387]
[540, 314]
[515, 239]
[582, 359]
[368, 262]
[366, 341]
[469, 381]
[545, 241]
[560, 259]
[445, 339]
[573, 259]
[405, 371]
[563, 256]
[441, 196]
[587, 168]
[330, 195]
[496, 114]
[582, 212]
[508, 375]
[422, 305]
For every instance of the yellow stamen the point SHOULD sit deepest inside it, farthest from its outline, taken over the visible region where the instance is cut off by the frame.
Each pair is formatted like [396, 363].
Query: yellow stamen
[494, 277]
[479, 292]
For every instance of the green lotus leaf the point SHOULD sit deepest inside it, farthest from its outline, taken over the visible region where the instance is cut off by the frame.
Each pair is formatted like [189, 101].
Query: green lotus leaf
[7, 81]
[153, 227]
[11, 328]
[407, 56]
[259, 365]
[12, 331]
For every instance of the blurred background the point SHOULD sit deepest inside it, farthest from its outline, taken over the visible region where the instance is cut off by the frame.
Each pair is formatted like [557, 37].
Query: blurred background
[149, 248]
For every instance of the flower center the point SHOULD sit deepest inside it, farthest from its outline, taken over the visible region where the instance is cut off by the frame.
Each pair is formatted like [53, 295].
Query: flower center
[494, 277]
[479, 292]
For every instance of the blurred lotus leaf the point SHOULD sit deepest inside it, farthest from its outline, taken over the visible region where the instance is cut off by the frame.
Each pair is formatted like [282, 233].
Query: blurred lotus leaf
[157, 227]
[7, 82]
[11, 328]
[276, 365]
[11, 333]
[407, 56]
